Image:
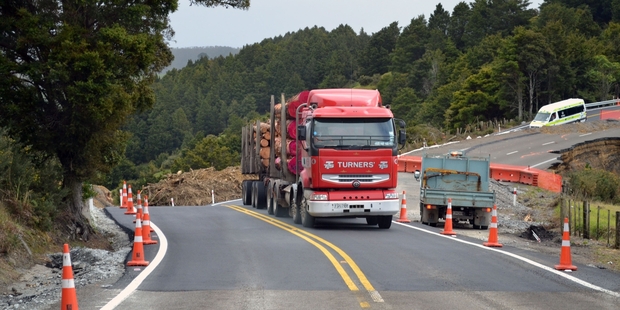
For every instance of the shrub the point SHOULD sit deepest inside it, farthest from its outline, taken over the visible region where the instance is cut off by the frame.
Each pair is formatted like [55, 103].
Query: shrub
[595, 184]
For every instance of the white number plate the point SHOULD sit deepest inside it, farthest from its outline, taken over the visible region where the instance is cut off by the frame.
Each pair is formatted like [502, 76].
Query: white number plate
[341, 206]
[457, 212]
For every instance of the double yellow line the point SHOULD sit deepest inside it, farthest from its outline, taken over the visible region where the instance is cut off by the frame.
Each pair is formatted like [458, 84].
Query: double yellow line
[316, 241]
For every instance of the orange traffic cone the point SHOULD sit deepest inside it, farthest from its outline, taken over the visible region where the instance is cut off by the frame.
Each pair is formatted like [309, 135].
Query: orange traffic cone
[146, 228]
[565, 259]
[69, 297]
[403, 211]
[146, 209]
[137, 257]
[139, 213]
[493, 242]
[130, 208]
[124, 203]
[447, 228]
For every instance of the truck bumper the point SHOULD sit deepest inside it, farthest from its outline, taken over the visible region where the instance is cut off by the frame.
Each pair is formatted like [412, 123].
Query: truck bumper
[353, 208]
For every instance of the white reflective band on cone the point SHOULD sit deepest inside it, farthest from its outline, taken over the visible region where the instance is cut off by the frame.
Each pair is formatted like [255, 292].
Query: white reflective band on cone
[66, 259]
[565, 243]
[137, 239]
[68, 283]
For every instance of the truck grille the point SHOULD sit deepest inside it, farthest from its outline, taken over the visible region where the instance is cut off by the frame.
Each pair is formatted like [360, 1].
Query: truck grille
[362, 178]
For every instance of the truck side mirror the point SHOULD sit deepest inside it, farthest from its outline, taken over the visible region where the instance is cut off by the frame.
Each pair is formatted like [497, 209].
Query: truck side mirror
[301, 132]
[401, 123]
[402, 137]
[416, 174]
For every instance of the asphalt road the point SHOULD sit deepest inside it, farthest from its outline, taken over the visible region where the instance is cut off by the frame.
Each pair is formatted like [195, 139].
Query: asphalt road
[230, 256]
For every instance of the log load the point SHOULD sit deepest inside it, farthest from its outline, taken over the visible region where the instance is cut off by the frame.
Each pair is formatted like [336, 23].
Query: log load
[267, 138]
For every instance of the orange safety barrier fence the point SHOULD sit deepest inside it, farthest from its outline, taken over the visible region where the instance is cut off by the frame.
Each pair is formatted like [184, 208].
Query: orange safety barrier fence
[409, 163]
[610, 114]
[500, 172]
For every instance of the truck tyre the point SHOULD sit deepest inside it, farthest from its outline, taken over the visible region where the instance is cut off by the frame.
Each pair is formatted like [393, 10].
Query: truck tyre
[307, 220]
[278, 209]
[385, 221]
[295, 213]
[270, 201]
[246, 192]
[261, 198]
[254, 193]
[372, 220]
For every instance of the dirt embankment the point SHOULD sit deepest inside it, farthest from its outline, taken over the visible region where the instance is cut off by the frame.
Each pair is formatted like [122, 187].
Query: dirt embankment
[194, 188]
[601, 153]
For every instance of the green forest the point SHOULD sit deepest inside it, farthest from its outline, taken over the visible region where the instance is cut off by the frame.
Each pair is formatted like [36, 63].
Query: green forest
[481, 61]
[86, 103]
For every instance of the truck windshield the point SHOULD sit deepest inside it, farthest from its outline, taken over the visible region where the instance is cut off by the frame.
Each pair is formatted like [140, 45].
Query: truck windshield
[354, 133]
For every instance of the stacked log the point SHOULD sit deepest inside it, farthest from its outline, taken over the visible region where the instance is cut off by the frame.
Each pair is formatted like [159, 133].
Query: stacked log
[276, 138]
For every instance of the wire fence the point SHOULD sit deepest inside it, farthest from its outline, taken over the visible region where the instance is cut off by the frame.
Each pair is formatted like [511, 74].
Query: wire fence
[592, 222]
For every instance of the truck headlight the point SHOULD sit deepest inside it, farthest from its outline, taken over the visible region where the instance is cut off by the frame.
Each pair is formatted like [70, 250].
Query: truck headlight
[318, 197]
[391, 195]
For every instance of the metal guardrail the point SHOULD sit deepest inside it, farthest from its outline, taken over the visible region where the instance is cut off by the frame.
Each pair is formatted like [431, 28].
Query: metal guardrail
[599, 104]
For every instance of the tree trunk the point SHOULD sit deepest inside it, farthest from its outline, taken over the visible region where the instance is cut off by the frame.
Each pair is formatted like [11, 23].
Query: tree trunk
[532, 84]
[80, 225]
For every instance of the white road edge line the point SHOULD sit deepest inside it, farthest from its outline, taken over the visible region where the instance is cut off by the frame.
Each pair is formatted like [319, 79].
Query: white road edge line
[549, 143]
[163, 247]
[512, 153]
[526, 260]
[585, 134]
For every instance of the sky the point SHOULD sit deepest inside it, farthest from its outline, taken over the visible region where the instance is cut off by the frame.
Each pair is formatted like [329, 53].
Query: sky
[196, 26]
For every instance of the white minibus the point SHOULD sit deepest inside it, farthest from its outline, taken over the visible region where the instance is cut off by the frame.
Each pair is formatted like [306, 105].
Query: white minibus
[561, 112]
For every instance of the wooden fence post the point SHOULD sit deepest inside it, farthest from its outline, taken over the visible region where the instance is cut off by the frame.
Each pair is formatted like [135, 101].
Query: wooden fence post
[617, 230]
[598, 220]
[586, 220]
[608, 227]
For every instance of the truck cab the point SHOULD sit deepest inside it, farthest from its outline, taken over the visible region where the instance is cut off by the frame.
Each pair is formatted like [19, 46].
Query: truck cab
[349, 156]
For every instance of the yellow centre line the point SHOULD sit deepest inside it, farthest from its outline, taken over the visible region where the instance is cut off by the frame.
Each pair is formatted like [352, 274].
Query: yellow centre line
[307, 236]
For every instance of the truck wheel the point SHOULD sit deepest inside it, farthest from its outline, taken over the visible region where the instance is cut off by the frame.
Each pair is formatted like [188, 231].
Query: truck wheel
[372, 220]
[246, 192]
[278, 210]
[422, 214]
[261, 200]
[385, 221]
[307, 220]
[270, 201]
[296, 214]
[254, 194]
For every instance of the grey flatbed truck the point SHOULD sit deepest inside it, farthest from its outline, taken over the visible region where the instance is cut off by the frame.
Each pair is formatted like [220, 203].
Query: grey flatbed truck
[462, 179]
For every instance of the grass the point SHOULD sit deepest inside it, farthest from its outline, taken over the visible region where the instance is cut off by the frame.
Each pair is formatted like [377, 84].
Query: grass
[601, 241]
[602, 220]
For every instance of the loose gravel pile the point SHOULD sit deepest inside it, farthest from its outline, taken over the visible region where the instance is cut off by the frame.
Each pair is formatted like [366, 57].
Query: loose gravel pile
[40, 287]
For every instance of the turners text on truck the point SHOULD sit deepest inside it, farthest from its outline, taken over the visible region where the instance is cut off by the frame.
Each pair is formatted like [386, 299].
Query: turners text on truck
[325, 153]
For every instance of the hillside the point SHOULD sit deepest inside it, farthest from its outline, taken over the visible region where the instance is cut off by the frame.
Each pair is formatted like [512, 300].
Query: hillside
[184, 54]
